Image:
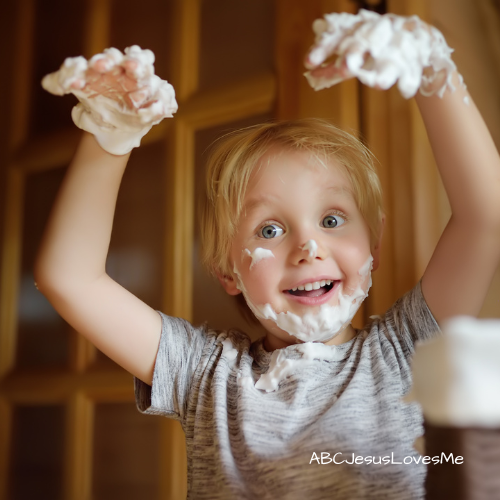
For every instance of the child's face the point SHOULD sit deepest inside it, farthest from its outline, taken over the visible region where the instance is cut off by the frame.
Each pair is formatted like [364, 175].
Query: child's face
[291, 199]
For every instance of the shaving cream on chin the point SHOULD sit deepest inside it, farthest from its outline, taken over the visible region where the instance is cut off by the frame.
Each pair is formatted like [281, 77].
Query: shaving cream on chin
[320, 326]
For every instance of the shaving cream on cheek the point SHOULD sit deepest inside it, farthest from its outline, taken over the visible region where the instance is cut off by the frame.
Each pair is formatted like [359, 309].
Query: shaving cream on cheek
[258, 254]
[323, 325]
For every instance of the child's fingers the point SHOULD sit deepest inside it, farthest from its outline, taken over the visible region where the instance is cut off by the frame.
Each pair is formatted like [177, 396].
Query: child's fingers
[139, 97]
[101, 65]
[131, 67]
[316, 56]
[335, 70]
[78, 84]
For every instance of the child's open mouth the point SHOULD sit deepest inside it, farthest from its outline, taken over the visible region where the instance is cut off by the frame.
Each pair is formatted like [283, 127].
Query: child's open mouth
[313, 289]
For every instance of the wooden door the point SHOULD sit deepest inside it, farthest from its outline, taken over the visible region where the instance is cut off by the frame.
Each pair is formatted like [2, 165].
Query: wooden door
[68, 424]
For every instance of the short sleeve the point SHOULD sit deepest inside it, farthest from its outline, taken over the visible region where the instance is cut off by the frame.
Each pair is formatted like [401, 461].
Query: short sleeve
[411, 319]
[179, 352]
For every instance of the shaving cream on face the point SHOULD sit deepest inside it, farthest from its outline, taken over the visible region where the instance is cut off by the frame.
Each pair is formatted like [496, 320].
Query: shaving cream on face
[117, 126]
[323, 325]
[311, 247]
[381, 50]
[456, 376]
[258, 254]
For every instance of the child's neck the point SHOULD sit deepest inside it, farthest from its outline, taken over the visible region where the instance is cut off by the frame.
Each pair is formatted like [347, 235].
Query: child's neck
[271, 342]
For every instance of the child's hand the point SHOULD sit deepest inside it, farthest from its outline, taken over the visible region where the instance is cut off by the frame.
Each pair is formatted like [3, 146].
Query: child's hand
[380, 51]
[120, 96]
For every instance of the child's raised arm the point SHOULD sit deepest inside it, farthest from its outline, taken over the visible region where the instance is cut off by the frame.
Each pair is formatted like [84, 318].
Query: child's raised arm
[463, 264]
[70, 264]
[382, 51]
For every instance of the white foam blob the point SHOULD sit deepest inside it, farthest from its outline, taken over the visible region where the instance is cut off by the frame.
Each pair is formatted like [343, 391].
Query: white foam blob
[245, 381]
[281, 368]
[311, 327]
[311, 247]
[381, 50]
[456, 376]
[320, 326]
[228, 350]
[117, 127]
[258, 254]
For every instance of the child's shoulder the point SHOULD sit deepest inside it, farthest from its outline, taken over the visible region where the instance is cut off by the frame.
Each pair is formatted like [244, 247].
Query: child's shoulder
[406, 322]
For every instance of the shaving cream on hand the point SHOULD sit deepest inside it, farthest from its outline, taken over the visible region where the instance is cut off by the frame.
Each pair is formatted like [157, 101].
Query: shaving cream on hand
[120, 96]
[381, 50]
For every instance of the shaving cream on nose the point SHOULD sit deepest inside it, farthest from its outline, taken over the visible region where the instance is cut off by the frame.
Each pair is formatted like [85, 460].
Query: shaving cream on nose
[258, 254]
[311, 247]
[323, 325]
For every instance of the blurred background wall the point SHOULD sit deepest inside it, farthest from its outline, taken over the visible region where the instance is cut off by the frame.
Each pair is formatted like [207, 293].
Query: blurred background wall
[68, 424]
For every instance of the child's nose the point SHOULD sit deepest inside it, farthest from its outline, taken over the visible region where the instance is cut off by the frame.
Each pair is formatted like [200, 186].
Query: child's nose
[308, 252]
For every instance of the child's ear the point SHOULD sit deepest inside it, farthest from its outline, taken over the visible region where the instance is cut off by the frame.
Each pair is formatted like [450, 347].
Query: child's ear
[229, 284]
[378, 245]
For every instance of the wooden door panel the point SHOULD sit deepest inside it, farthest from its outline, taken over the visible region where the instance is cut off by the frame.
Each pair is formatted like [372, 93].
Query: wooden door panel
[148, 24]
[126, 453]
[42, 335]
[58, 34]
[37, 453]
[236, 40]
[231, 46]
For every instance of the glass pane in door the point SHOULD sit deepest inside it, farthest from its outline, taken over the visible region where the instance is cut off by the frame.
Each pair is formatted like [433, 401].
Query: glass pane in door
[126, 453]
[42, 334]
[58, 34]
[237, 40]
[36, 459]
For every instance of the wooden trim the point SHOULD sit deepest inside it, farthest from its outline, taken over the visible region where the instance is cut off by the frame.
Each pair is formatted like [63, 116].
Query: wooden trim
[21, 90]
[5, 439]
[48, 152]
[375, 131]
[79, 446]
[226, 104]
[427, 186]
[177, 279]
[10, 269]
[56, 386]
[97, 27]
[180, 210]
[402, 193]
[173, 461]
[185, 43]
[82, 353]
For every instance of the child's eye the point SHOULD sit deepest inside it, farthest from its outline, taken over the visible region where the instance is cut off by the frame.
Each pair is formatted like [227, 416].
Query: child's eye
[331, 221]
[270, 231]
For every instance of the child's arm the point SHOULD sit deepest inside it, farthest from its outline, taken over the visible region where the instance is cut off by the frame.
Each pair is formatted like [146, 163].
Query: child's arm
[70, 264]
[461, 268]
[460, 271]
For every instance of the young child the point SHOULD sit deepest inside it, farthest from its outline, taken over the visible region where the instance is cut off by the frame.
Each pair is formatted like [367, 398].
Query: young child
[293, 220]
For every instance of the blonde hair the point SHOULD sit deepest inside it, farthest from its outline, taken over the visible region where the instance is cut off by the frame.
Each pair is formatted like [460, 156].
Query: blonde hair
[235, 155]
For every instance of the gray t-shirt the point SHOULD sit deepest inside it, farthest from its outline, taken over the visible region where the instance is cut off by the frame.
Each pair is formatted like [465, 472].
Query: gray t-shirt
[245, 443]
